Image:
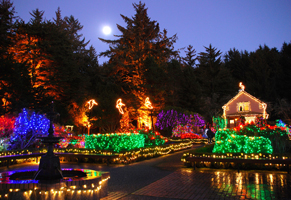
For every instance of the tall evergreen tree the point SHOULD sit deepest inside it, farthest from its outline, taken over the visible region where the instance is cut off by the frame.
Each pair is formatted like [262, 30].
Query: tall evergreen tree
[15, 88]
[140, 39]
[284, 83]
[215, 81]
[190, 58]
[262, 79]
[238, 63]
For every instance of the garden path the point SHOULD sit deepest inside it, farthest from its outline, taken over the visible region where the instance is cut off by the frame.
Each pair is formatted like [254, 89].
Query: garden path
[165, 178]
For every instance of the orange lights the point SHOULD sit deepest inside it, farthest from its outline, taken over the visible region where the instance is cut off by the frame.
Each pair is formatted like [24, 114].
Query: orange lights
[91, 103]
[148, 104]
[241, 86]
[119, 105]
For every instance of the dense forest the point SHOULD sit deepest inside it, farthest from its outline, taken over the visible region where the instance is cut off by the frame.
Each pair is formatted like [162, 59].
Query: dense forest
[49, 60]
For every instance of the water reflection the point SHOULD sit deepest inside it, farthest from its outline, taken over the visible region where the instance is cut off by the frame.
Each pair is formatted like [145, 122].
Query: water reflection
[252, 185]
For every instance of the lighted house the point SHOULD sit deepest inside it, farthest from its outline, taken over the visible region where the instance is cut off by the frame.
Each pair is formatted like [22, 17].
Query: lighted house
[243, 104]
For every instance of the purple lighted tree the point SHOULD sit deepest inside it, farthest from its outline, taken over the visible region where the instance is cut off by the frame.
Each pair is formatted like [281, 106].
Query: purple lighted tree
[171, 118]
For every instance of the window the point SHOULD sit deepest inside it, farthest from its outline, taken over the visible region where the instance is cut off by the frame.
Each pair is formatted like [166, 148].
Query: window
[243, 106]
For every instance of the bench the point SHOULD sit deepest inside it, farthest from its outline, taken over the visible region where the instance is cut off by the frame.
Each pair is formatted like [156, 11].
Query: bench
[287, 162]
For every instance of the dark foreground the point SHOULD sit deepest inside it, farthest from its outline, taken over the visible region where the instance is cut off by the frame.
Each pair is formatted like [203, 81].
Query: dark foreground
[165, 178]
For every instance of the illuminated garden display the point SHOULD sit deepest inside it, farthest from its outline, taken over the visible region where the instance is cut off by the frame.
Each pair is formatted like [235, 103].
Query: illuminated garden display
[124, 141]
[180, 123]
[28, 125]
[252, 139]
[185, 132]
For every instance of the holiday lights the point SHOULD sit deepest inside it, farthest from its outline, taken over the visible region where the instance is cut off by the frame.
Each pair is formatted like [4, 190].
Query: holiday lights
[185, 132]
[219, 123]
[91, 103]
[115, 142]
[148, 104]
[119, 105]
[228, 141]
[244, 100]
[241, 86]
[6, 125]
[28, 125]
[73, 141]
[171, 118]
[93, 187]
[124, 141]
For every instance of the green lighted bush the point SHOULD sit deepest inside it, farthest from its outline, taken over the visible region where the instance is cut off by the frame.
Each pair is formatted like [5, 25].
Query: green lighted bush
[278, 137]
[115, 142]
[124, 141]
[227, 141]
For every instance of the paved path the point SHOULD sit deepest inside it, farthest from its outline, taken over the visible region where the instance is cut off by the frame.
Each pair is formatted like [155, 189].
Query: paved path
[165, 178]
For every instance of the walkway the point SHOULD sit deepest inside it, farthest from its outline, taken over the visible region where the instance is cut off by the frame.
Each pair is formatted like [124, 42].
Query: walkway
[165, 178]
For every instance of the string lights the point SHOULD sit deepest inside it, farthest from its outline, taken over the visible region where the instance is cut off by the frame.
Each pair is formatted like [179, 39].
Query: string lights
[119, 105]
[241, 99]
[91, 103]
[27, 126]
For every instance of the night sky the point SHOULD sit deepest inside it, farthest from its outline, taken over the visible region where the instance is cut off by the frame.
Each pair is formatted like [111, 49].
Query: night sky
[243, 24]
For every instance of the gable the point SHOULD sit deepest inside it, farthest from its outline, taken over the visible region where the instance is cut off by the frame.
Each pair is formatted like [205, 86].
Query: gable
[243, 96]
[244, 104]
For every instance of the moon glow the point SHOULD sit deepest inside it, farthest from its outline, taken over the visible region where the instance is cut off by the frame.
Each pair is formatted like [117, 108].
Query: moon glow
[106, 30]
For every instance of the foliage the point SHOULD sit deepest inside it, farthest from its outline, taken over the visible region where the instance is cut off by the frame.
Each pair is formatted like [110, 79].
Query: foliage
[172, 118]
[185, 131]
[190, 136]
[28, 125]
[124, 141]
[219, 123]
[139, 40]
[277, 135]
[152, 138]
[227, 141]
[116, 141]
[6, 126]
[215, 80]
[72, 142]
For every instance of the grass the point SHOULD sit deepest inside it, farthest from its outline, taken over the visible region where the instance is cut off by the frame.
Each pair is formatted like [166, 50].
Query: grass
[206, 149]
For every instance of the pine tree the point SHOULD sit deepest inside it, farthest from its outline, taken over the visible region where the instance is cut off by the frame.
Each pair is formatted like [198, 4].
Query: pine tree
[15, 88]
[190, 59]
[215, 80]
[140, 39]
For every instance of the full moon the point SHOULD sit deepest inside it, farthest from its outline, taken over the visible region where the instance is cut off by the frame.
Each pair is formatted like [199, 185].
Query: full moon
[106, 30]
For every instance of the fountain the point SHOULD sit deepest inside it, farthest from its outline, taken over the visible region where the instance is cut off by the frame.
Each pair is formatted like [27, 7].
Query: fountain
[52, 182]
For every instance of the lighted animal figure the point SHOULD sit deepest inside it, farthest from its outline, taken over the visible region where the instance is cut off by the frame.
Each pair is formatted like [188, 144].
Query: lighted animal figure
[124, 121]
[241, 86]
[148, 104]
[91, 103]
[119, 105]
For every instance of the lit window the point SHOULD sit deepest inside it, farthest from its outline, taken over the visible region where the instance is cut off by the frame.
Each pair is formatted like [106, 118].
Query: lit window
[243, 106]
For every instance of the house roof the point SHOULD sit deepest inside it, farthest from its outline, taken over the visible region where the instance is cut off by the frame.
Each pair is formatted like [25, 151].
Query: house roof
[241, 92]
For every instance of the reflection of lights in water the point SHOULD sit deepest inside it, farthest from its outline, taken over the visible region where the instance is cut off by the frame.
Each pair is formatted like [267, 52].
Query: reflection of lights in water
[282, 180]
[271, 179]
[238, 179]
[257, 178]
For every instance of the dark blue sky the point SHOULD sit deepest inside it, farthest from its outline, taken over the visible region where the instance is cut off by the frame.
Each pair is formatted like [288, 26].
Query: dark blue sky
[243, 24]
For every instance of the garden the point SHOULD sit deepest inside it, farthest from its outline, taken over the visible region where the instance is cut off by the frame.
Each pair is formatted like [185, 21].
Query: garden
[21, 135]
[260, 141]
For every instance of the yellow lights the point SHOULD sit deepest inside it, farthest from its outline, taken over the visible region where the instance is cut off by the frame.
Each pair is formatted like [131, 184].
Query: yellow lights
[148, 104]
[119, 105]
[243, 105]
[91, 103]
[242, 87]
